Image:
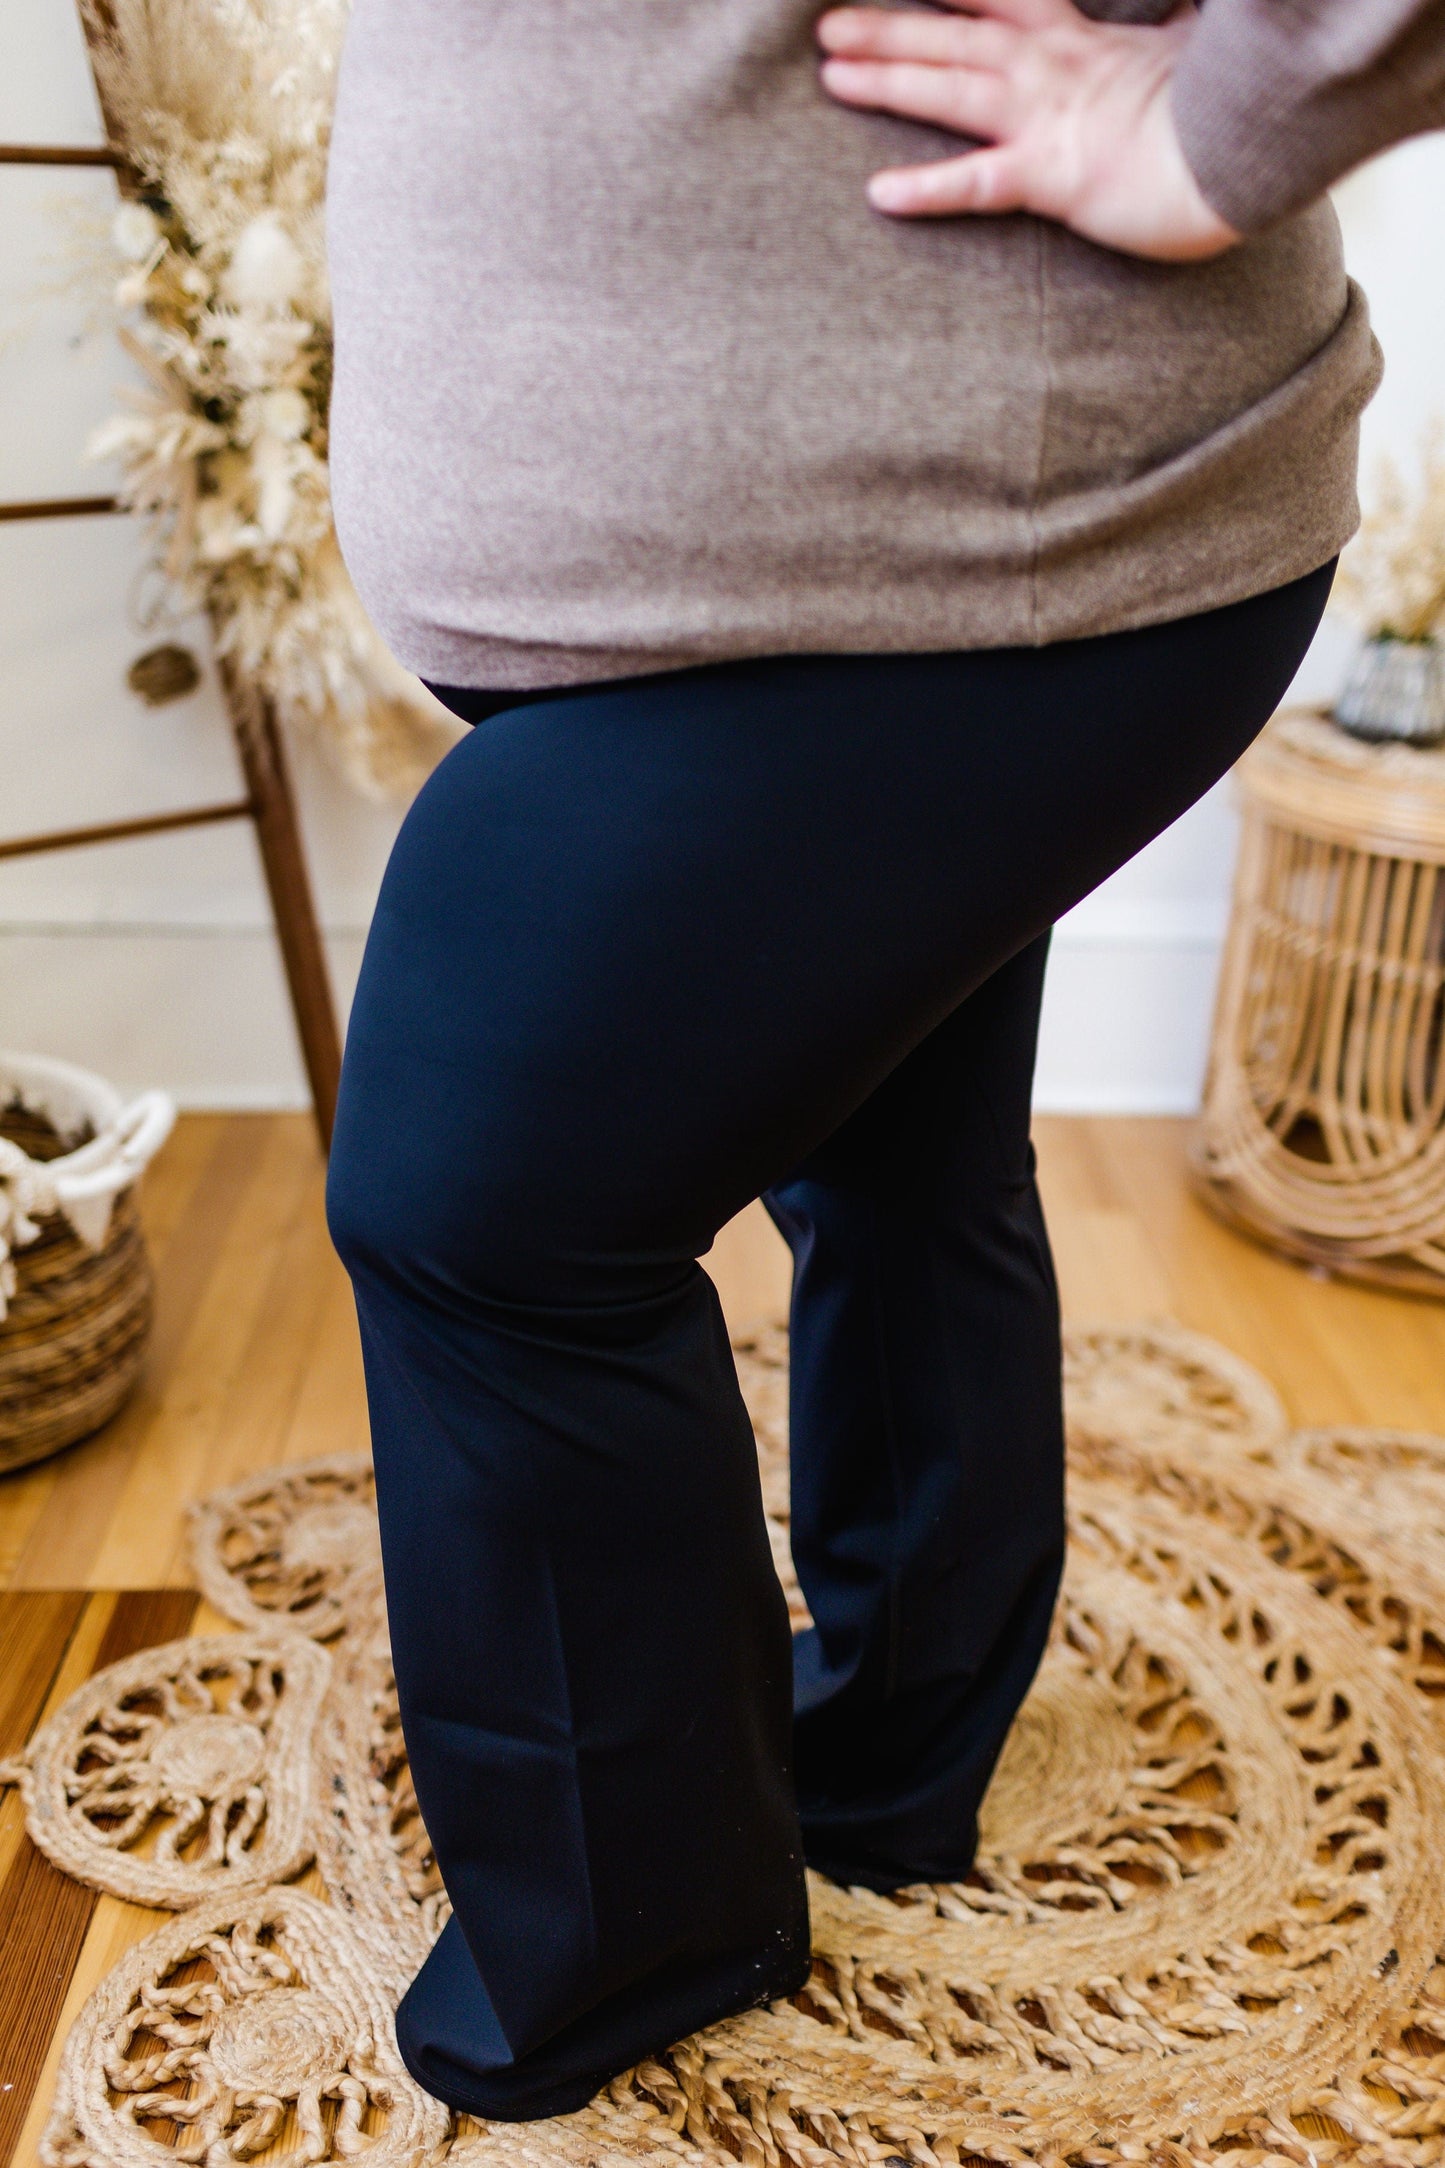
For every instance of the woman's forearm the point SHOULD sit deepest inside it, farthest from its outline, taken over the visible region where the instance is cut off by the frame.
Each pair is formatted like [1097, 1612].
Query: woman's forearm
[1273, 102]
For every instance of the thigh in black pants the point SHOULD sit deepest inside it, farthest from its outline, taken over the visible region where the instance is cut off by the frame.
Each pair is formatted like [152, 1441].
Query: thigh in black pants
[645, 952]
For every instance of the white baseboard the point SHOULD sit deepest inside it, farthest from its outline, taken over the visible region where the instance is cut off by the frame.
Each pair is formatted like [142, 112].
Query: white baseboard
[202, 1010]
[1126, 1021]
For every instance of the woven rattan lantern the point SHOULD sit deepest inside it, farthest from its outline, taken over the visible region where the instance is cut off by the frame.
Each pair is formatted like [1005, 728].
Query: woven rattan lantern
[1323, 1130]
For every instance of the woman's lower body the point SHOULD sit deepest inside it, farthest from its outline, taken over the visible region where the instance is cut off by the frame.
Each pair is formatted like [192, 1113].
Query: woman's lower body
[645, 952]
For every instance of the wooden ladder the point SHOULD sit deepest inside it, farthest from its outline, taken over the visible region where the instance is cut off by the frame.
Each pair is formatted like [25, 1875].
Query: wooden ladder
[269, 802]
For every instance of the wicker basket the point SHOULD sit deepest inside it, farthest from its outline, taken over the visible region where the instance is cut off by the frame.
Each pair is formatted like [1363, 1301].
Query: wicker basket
[74, 1330]
[1323, 1127]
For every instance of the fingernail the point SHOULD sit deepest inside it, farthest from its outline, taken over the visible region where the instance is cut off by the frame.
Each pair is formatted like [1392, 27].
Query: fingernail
[888, 192]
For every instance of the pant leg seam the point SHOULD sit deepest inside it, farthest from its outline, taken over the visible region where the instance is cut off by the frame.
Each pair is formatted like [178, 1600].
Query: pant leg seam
[890, 1432]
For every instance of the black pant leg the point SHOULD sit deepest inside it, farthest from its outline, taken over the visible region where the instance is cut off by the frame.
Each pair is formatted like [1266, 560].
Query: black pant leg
[638, 954]
[927, 1443]
[591, 1649]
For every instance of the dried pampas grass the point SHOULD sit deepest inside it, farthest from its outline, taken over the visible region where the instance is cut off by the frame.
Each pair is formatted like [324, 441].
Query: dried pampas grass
[224, 109]
[1392, 577]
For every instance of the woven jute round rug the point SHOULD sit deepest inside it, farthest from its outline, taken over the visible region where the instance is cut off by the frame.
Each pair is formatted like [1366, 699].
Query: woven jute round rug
[1206, 1923]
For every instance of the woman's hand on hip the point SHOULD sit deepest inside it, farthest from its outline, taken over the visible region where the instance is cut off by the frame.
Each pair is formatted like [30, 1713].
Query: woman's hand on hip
[1073, 117]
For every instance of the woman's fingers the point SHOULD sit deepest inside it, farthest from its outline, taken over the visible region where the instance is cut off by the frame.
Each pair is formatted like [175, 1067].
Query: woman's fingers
[894, 34]
[980, 181]
[966, 100]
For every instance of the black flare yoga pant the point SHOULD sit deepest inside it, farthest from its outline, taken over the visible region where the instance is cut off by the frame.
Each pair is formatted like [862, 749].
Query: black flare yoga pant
[645, 952]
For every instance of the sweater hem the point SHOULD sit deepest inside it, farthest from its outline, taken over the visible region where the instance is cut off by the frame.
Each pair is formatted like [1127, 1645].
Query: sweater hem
[500, 667]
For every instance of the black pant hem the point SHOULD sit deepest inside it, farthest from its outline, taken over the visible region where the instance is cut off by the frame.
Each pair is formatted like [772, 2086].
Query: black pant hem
[515, 2099]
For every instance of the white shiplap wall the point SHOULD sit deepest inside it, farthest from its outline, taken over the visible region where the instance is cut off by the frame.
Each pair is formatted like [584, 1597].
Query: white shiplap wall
[153, 960]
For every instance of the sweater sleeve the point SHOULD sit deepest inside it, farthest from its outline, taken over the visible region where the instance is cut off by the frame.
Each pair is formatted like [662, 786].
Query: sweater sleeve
[1275, 99]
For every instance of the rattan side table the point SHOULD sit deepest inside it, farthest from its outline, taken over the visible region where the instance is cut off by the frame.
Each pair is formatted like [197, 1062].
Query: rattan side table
[1323, 1126]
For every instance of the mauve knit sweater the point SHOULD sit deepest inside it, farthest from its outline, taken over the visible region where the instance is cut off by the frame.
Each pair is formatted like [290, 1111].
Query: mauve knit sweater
[629, 375]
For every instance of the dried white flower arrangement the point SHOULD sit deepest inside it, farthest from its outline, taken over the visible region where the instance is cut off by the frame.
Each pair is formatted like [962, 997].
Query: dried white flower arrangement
[223, 107]
[1392, 577]
[1392, 583]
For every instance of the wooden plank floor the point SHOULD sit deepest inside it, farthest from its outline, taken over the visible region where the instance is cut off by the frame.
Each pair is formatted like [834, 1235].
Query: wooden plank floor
[50, 1641]
[255, 1361]
[255, 1357]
